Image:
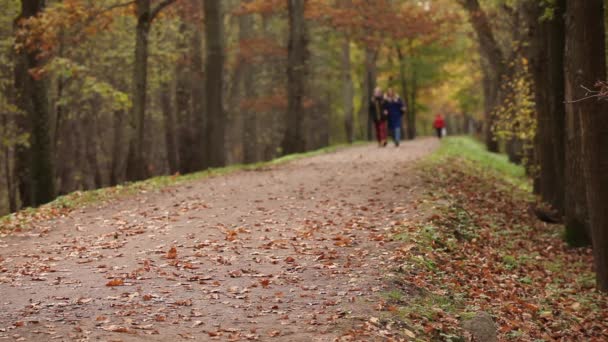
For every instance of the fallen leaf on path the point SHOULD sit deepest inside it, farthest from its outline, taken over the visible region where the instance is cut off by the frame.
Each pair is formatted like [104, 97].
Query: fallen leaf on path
[172, 253]
[115, 282]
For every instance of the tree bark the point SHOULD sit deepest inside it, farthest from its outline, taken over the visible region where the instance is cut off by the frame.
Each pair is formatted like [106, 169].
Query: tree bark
[36, 171]
[250, 129]
[546, 55]
[214, 84]
[585, 65]
[136, 163]
[198, 115]
[495, 69]
[577, 219]
[297, 55]
[169, 121]
[116, 166]
[410, 119]
[348, 92]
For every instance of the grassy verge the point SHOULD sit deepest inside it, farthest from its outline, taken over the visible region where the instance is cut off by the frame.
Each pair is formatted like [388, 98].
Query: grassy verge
[64, 204]
[479, 249]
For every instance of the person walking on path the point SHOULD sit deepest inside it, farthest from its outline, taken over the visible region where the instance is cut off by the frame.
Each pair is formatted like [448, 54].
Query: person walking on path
[395, 108]
[439, 125]
[378, 113]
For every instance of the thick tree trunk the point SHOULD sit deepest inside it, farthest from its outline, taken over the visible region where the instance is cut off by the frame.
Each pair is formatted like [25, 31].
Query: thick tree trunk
[37, 182]
[495, 69]
[214, 84]
[547, 55]
[585, 65]
[297, 55]
[136, 163]
[577, 222]
[348, 92]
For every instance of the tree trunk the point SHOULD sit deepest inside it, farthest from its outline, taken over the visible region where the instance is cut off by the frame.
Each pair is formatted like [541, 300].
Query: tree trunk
[495, 69]
[169, 121]
[348, 92]
[136, 163]
[214, 84]
[577, 223]
[547, 56]
[367, 89]
[35, 167]
[250, 129]
[412, 111]
[410, 119]
[297, 55]
[198, 115]
[11, 194]
[91, 143]
[585, 64]
[116, 171]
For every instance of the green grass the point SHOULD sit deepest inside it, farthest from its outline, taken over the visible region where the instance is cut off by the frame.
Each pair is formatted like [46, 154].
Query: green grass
[496, 165]
[80, 199]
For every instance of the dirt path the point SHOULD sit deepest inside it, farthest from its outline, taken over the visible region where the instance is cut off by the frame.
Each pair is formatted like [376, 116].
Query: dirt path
[291, 253]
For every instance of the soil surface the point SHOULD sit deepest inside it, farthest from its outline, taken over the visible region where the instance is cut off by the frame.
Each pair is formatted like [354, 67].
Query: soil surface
[295, 252]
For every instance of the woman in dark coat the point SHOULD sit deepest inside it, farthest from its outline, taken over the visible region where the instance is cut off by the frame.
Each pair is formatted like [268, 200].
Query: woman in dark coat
[395, 108]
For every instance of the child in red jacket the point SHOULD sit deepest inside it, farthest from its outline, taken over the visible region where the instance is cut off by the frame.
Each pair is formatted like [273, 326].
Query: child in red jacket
[439, 125]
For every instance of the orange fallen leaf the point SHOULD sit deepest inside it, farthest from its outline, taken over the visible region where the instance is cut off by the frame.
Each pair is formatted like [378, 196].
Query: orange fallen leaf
[116, 282]
[172, 253]
[265, 282]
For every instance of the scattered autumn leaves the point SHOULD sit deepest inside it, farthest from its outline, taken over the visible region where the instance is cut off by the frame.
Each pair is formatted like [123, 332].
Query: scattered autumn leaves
[481, 250]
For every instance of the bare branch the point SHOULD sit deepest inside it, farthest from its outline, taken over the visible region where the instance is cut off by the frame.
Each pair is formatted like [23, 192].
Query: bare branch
[601, 94]
[159, 8]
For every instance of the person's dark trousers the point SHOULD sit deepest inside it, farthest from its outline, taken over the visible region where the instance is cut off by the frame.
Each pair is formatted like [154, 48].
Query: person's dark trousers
[439, 132]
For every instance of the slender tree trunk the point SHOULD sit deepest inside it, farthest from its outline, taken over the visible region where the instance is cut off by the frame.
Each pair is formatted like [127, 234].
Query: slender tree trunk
[348, 92]
[35, 165]
[214, 84]
[412, 111]
[368, 84]
[198, 115]
[297, 55]
[184, 91]
[91, 147]
[585, 64]
[11, 194]
[116, 175]
[495, 69]
[250, 129]
[410, 119]
[169, 121]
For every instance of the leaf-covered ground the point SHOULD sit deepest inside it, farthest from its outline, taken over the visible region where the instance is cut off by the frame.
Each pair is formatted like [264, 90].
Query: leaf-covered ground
[480, 249]
[363, 244]
[292, 252]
